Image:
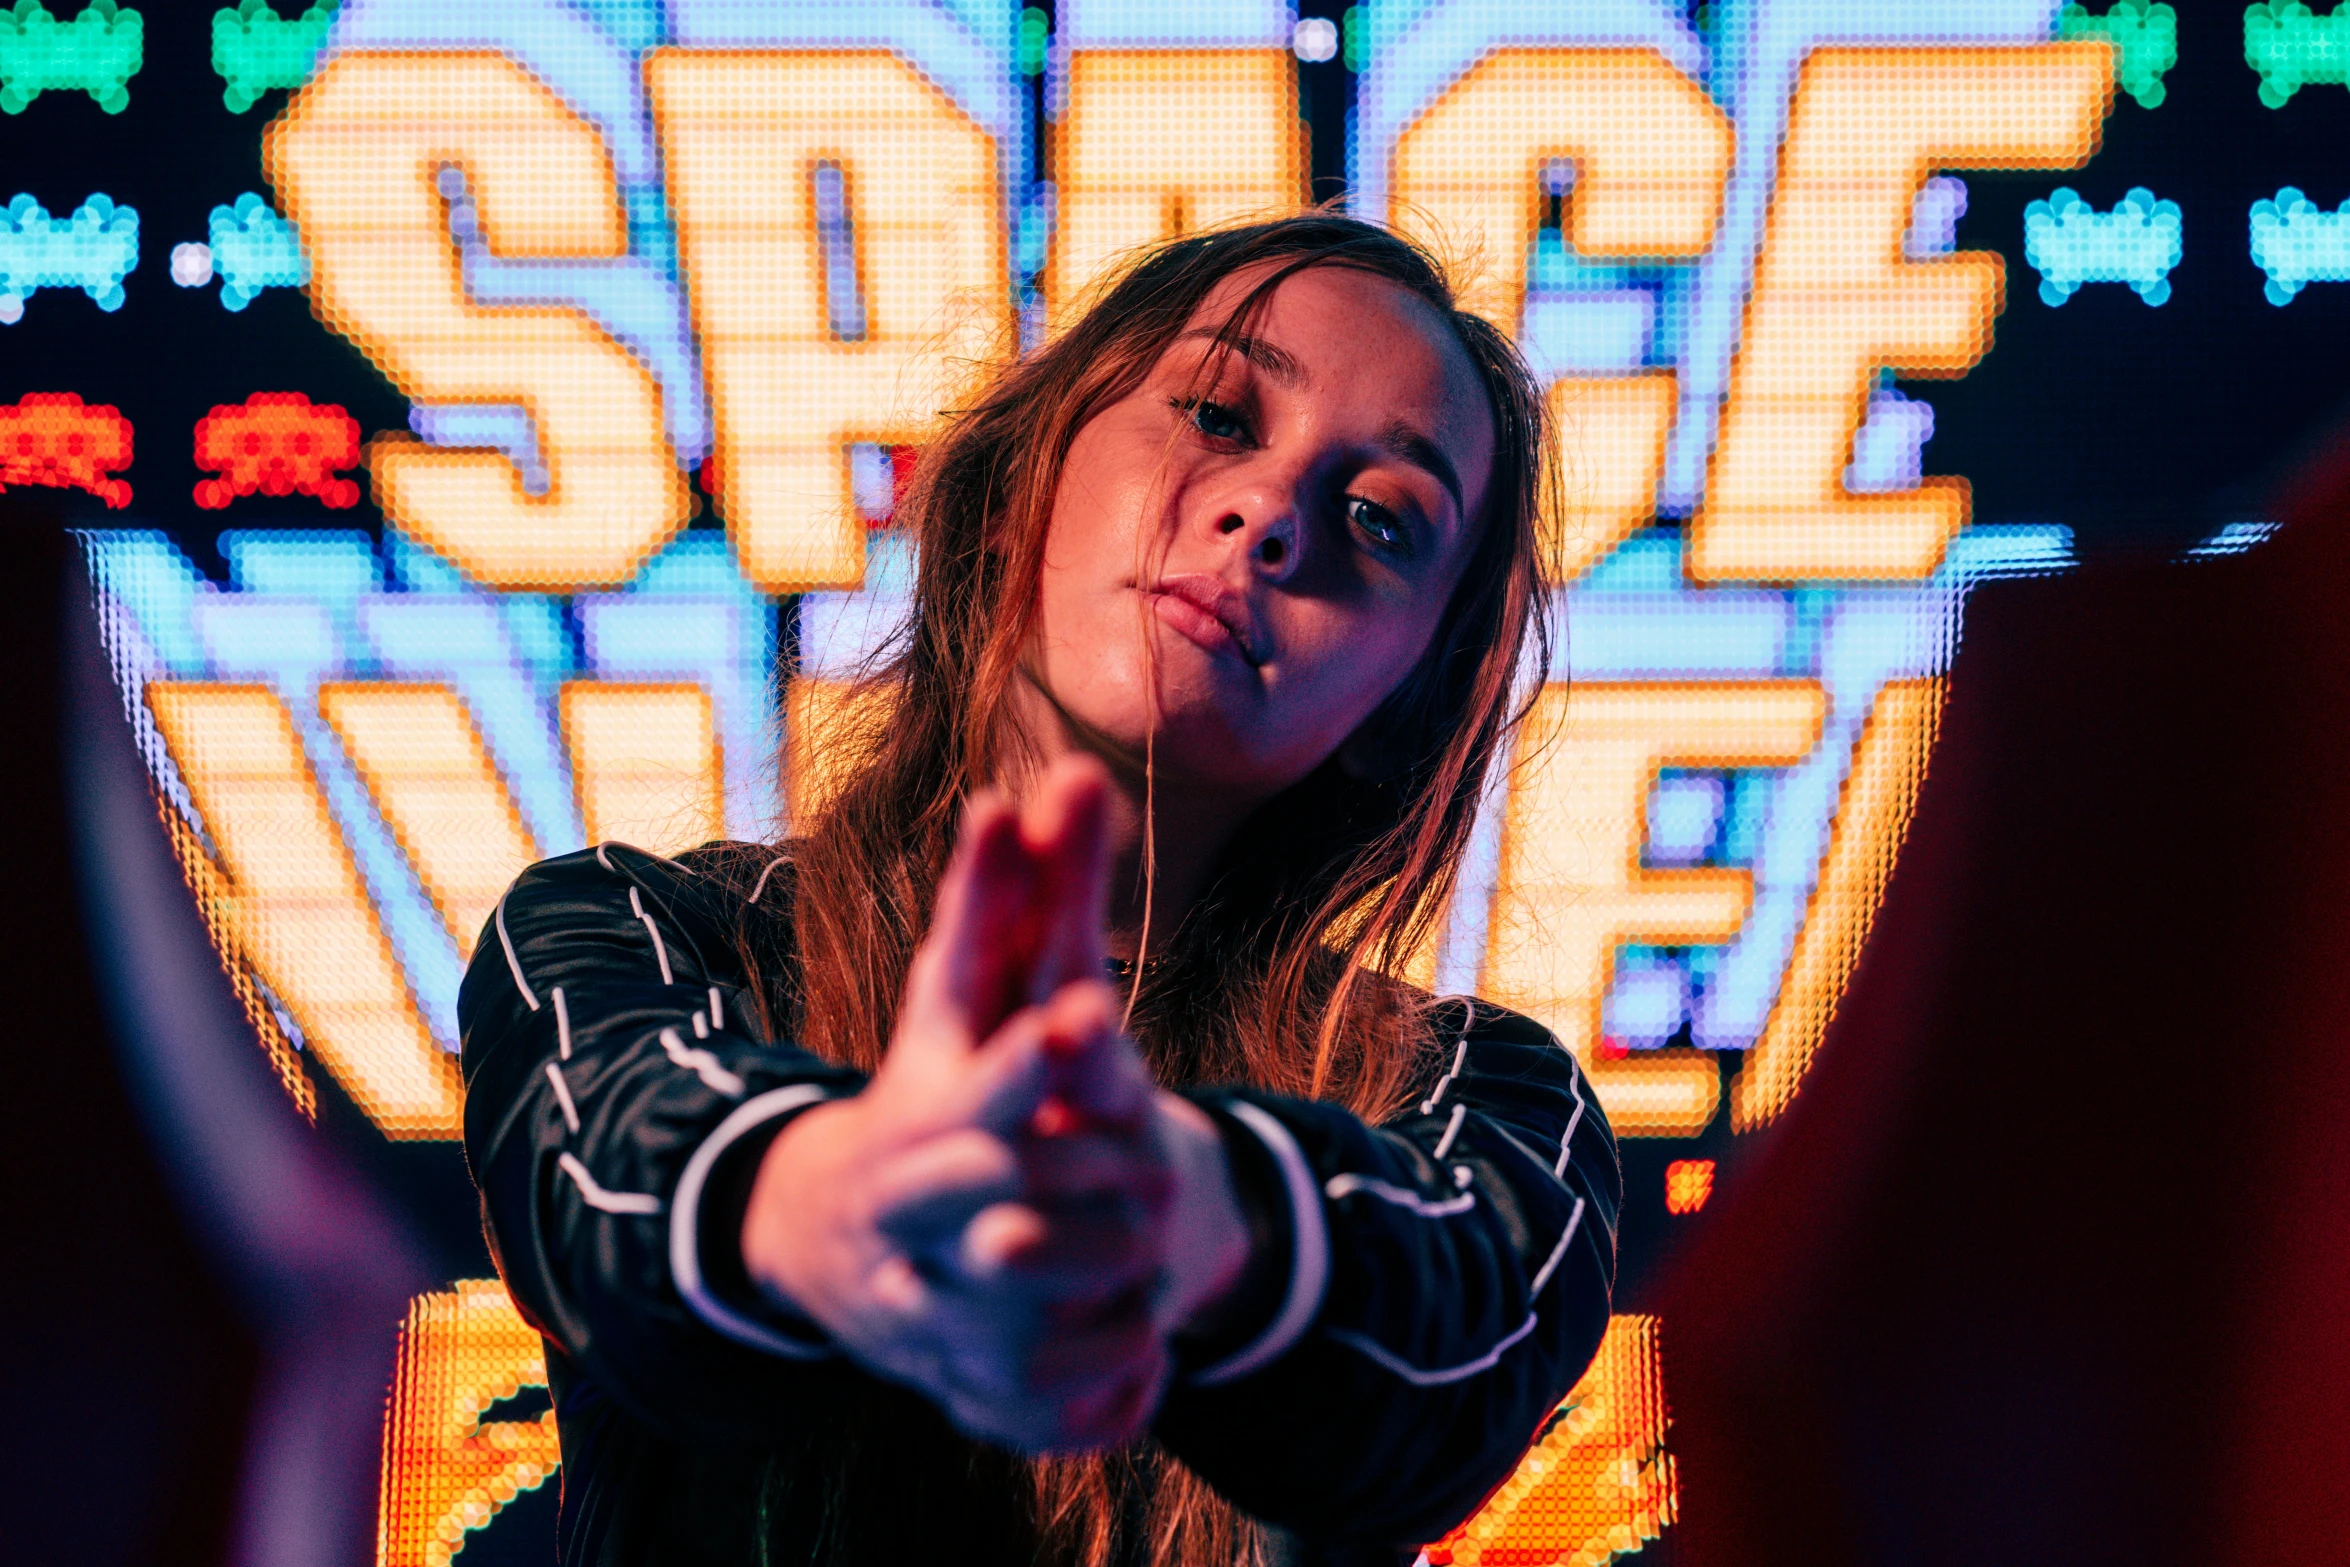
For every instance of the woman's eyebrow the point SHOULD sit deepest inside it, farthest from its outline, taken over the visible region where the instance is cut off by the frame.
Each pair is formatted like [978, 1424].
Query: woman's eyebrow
[1415, 448]
[1399, 438]
[1274, 360]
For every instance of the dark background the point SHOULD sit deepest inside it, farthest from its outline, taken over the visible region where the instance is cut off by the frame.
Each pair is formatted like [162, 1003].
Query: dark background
[2050, 1260]
[125, 1367]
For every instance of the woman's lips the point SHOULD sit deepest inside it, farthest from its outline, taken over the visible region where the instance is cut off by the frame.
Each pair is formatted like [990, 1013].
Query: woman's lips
[1207, 613]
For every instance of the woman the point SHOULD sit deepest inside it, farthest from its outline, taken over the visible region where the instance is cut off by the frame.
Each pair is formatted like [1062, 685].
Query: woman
[1033, 1160]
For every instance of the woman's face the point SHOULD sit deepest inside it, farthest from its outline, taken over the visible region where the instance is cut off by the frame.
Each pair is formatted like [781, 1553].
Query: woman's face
[1272, 543]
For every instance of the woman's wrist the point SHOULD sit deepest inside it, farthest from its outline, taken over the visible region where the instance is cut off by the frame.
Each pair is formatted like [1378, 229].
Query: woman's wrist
[1209, 1237]
[780, 1240]
[1240, 1316]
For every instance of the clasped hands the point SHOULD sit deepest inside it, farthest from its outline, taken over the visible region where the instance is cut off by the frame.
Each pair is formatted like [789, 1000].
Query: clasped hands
[1012, 1217]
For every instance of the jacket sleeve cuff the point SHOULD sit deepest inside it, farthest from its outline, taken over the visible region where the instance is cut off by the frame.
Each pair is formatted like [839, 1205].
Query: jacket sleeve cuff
[706, 1221]
[1289, 1271]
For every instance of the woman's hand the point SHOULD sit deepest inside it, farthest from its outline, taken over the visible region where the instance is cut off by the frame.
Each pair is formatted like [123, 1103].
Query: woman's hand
[1011, 1216]
[1011, 1283]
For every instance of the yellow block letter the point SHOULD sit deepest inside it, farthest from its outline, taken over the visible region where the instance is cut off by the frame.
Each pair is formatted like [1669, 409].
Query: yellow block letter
[1599, 1484]
[355, 159]
[644, 760]
[743, 132]
[1611, 433]
[1888, 768]
[1652, 155]
[299, 909]
[447, 1471]
[1834, 299]
[417, 751]
[1161, 142]
[1572, 888]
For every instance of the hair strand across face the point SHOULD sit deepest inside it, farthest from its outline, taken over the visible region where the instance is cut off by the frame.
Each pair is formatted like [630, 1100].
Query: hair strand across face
[1286, 973]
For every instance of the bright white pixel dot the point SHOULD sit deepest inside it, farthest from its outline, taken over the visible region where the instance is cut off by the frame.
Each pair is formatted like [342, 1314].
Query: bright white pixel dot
[191, 265]
[1315, 40]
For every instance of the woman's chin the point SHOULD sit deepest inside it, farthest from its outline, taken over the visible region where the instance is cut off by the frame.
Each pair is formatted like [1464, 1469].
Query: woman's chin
[1211, 750]
[1204, 728]
[1185, 741]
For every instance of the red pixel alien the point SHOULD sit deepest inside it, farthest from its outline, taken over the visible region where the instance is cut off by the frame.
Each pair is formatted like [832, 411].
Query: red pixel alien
[55, 439]
[277, 443]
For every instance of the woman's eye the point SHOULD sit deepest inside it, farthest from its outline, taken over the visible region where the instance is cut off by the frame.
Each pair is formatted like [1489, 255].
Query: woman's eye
[1381, 526]
[1214, 420]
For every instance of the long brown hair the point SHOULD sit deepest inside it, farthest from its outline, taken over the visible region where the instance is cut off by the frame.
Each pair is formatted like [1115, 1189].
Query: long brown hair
[1280, 975]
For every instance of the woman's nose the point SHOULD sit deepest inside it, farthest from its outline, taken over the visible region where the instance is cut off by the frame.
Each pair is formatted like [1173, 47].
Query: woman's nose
[1262, 522]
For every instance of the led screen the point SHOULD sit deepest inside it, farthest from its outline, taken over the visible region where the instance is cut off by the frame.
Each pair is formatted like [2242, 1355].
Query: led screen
[496, 454]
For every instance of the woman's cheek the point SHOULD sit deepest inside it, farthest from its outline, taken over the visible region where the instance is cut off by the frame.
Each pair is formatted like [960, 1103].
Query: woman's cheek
[1356, 659]
[1357, 663]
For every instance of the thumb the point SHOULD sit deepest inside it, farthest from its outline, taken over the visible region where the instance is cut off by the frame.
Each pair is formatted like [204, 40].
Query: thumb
[1097, 1074]
[1065, 1058]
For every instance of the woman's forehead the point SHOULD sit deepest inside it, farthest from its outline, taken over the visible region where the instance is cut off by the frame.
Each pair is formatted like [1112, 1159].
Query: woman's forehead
[1300, 303]
[1365, 340]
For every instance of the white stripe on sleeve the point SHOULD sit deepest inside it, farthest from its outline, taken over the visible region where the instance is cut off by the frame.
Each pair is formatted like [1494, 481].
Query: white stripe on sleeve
[660, 951]
[513, 963]
[1452, 1129]
[563, 1097]
[685, 1258]
[1542, 1275]
[598, 1198]
[1401, 1196]
[702, 1064]
[1567, 1142]
[1419, 1377]
[1309, 1265]
[1460, 1058]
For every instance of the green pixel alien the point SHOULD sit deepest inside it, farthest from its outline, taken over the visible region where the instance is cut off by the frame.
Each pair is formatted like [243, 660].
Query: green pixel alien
[254, 49]
[98, 52]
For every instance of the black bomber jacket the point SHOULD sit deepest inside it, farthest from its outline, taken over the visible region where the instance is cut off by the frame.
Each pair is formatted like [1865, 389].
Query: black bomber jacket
[1424, 1292]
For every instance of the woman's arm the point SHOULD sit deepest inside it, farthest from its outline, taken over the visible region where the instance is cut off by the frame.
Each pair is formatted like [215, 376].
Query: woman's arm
[1445, 1280]
[618, 1097]
[694, 1214]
